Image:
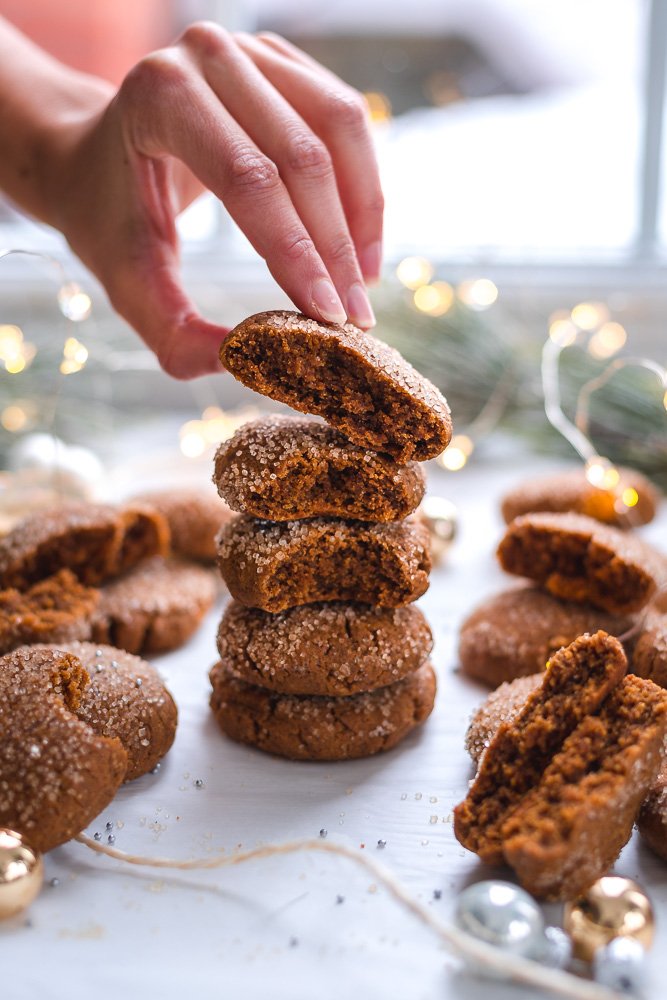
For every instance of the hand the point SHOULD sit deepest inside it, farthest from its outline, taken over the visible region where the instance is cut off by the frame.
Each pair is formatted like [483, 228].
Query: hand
[280, 140]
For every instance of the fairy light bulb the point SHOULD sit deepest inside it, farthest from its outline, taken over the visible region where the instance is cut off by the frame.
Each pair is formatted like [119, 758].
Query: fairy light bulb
[414, 272]
[434, 299]
[562, 331]
[75, 355]
[607, 341]
[192, 437]
[457, 453]
[589, 315]
[601, 473]
[74, 304]
[478, 293]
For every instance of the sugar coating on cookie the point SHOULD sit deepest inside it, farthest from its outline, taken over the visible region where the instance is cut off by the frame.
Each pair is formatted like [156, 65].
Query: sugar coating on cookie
[282, 468]
[194, 518]
[576, 682]
[357, 383]
[323, 649]
[514, 633]
[568, 830]
[275, 566]
[56, 609]
[126, 699]
[317, 728]
[649, 657]
[579, 559]
[154, 607]
[502, 706]
[95, 541]
[571, 491]
[56, 772]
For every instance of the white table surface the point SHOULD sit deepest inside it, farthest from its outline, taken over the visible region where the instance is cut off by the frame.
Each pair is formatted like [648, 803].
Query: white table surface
[273, 928]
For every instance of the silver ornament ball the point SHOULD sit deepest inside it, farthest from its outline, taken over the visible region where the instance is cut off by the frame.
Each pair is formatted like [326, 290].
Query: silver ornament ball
[503, 915]
[621, 965]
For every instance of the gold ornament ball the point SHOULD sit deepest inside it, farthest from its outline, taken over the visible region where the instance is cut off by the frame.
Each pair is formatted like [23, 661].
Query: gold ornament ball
[21, 873]
[612, 907]
[441, 518]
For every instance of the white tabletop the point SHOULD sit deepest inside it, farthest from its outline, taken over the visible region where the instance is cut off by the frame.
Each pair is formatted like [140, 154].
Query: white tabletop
[274, 928]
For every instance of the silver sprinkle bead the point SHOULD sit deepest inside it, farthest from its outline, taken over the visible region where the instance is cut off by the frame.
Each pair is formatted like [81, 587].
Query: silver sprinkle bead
[138, 682]
[97, 835]
[54, 882]
[198, 783]
[323, 833]
[437, 893]
[382, 844]
[111, 839]
[340, 899]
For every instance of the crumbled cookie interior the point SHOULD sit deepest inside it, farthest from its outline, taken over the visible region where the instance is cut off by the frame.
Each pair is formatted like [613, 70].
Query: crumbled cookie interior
[85, 551]
[50, 607]
[69, 679]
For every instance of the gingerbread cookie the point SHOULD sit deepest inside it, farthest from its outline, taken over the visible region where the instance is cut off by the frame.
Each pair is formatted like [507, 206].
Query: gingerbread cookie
[276, 566]
[514, 633]
[194, 518]
[323, 649]
[154, 607]
[652, 818]
[53, 610]
[125, 699]
[95, 541]
[571, 491]
[502, 706]
[316, 728]
[579, 559]
[284, 468]
[56, 772]
[559, 787]
[649, 658]
[358, 384]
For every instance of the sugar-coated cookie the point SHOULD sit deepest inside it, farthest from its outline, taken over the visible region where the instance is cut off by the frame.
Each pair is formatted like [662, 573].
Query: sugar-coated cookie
[276, 566]
[358, 384]
[154, 607]
[194, 518]
[579, 559]
[571, 491]
[283, 468]
[323, 649]
[559, 786]
[56, 609]
[501, 706]
[95, 541]
[56, 772]
[316, 728]
[125, 699]
[514, 633]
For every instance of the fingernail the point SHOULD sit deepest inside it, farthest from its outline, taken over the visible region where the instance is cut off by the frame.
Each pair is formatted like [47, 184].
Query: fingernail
[327, 302]
[359, 308]
[370, 259]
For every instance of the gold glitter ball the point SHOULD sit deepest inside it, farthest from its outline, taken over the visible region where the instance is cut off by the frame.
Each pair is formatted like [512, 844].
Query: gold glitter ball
[441, 518]
[21, 873]
[613, 907]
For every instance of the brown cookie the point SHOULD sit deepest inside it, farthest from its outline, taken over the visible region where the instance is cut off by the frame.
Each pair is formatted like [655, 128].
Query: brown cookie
[514, 633]
[358, 384]
[579, 559]
[284, 468]
[53, 610]
[323, 649]
[95, 541]
[154, 607]
[125, 700]
[571, 491]
[276, 566]
[56, 772]
[502, 706]
[652, 818]
[649, 658]
[315, 728]
[194, 518]
[560, 782]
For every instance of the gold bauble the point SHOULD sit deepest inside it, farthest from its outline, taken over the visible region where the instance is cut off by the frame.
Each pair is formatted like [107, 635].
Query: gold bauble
[441, 518]
[612, 907]
[21, 873]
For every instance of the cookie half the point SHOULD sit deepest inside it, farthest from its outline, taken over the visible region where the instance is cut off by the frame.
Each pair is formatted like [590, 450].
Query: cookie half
[276, 566]
[125, 699]
[53, 610]
[94, 541]
[313, 728]
[579, 559]
[358, 384]
[502, 706]
[284, 468]
[56, 772]
[514, 633]
[194, 518]
[571, 491]
[154, 607]
[323, 649]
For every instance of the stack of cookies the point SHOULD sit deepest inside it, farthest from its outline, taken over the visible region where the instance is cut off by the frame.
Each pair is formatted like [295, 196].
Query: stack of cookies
[323, 655]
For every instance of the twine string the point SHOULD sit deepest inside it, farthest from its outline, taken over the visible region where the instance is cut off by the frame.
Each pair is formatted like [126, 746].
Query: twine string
[459, 943]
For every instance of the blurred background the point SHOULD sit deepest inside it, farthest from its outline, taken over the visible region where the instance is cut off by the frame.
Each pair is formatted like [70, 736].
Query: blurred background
[521, 152]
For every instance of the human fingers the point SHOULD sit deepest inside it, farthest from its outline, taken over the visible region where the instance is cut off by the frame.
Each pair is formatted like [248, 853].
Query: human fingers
[303, 161]
[338, 115]
[168, 108]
